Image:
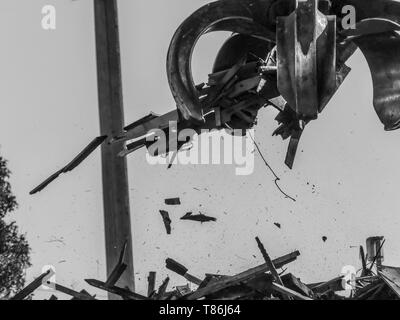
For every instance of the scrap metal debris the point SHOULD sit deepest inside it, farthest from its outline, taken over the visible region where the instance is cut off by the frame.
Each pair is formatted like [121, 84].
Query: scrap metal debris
[167, 220]
[198, 217]
[92, 146]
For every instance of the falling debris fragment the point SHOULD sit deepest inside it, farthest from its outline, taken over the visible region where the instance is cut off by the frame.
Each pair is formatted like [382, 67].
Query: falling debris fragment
[167, 220]
[173, 202]
[45, 183]
[278, 225]
[199, 217]
[72, 165]
[324, 239]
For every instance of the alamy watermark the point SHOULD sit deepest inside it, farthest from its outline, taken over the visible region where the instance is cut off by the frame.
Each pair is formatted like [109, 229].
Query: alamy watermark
[48, 17]
[215, 147]
[48, 21]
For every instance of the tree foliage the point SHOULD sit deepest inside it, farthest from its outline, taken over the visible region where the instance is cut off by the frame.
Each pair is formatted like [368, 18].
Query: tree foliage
[14, 248]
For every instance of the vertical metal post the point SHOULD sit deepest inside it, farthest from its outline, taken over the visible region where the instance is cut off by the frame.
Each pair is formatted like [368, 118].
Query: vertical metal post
[117, 222]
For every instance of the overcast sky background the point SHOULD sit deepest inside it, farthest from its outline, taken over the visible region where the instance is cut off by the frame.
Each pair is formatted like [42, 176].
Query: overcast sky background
[346, 178]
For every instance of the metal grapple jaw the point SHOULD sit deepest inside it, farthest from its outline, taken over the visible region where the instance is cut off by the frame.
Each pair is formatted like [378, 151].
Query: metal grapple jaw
[375, 33]
[306, 51]
[289, 54]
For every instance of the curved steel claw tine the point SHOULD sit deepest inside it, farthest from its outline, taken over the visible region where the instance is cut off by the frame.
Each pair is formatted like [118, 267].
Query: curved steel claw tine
[371, 26]
[365, 9]
[382, 52]
[243, 17]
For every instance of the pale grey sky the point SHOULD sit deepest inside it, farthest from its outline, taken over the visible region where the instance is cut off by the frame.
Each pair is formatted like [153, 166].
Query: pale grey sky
[48, 101]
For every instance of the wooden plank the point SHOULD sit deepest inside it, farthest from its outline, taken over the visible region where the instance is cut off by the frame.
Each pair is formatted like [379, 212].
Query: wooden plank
[167, 220]
[29, 289]
[334, 284]
[161, 122]
[246, 71]
[244, 86]
[86, 152]
[89, 149]
[180, 269]
[363, 262]
[173, 201]
[119, 269]
[291, 282]
[151, 279]
[70, 292]
[366, 291]
[46, 182]
[391, 276]
[242, 277]
[125, 293]
[377, 259]
[269, 263]
[84, 292]
[292, 148]
[145, 119]
[227, 80]
[116, 274]
[117, 220]
[160, 295]
[271, 266]
[377, 292]
[288, 292]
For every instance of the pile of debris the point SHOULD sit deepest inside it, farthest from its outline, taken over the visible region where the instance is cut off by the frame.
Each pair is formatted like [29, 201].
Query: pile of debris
[264, 282]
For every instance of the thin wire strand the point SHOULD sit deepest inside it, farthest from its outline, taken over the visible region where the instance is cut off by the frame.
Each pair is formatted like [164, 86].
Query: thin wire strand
[277, 179]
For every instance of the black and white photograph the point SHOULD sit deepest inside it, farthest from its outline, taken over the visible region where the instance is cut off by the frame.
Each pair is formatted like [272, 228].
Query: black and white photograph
[204, 159]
